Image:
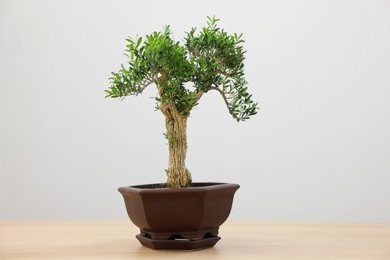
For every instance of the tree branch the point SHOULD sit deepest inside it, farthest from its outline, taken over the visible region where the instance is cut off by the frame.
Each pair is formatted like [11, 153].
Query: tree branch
[198, 96]
[223, 94]
[224, 73]
[147, 83]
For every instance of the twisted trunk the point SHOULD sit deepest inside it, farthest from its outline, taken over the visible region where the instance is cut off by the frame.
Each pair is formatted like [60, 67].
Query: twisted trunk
[176, 124]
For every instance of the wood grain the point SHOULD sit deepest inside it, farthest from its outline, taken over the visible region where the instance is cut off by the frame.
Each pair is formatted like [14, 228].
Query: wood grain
[240, 240]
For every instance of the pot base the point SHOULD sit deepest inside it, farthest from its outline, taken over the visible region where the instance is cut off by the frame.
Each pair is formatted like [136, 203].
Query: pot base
[181, 244]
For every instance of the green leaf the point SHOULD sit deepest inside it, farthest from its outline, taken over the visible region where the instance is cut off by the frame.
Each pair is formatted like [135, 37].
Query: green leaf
[139, 42]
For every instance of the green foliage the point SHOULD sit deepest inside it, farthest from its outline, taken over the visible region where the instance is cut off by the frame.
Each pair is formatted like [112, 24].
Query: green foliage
[210, 59]
[172, 140]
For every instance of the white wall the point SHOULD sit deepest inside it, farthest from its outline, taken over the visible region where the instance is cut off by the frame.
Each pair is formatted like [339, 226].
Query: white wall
[318, 150]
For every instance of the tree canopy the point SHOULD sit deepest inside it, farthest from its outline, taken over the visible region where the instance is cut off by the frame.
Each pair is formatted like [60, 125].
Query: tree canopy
[208, 59]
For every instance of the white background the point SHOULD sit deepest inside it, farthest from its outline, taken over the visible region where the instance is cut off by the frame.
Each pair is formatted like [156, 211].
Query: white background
[318, 150]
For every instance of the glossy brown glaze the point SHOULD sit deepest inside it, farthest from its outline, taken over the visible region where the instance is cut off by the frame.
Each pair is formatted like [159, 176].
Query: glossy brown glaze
[185, 218]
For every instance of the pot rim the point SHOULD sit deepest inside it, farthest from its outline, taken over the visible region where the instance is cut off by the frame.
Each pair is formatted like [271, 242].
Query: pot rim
[211, 186]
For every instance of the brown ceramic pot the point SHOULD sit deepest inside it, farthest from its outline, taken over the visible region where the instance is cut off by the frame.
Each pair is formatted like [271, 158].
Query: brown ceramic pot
[186, 218]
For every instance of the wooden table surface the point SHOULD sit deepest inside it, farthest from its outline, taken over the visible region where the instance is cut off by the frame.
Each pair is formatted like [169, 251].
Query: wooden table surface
[80, 240]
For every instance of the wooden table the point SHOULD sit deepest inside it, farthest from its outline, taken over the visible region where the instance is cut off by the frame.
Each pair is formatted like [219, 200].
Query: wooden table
[96, 240]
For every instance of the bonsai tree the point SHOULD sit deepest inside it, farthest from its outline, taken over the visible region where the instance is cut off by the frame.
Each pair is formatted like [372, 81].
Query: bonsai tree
[208, 60]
